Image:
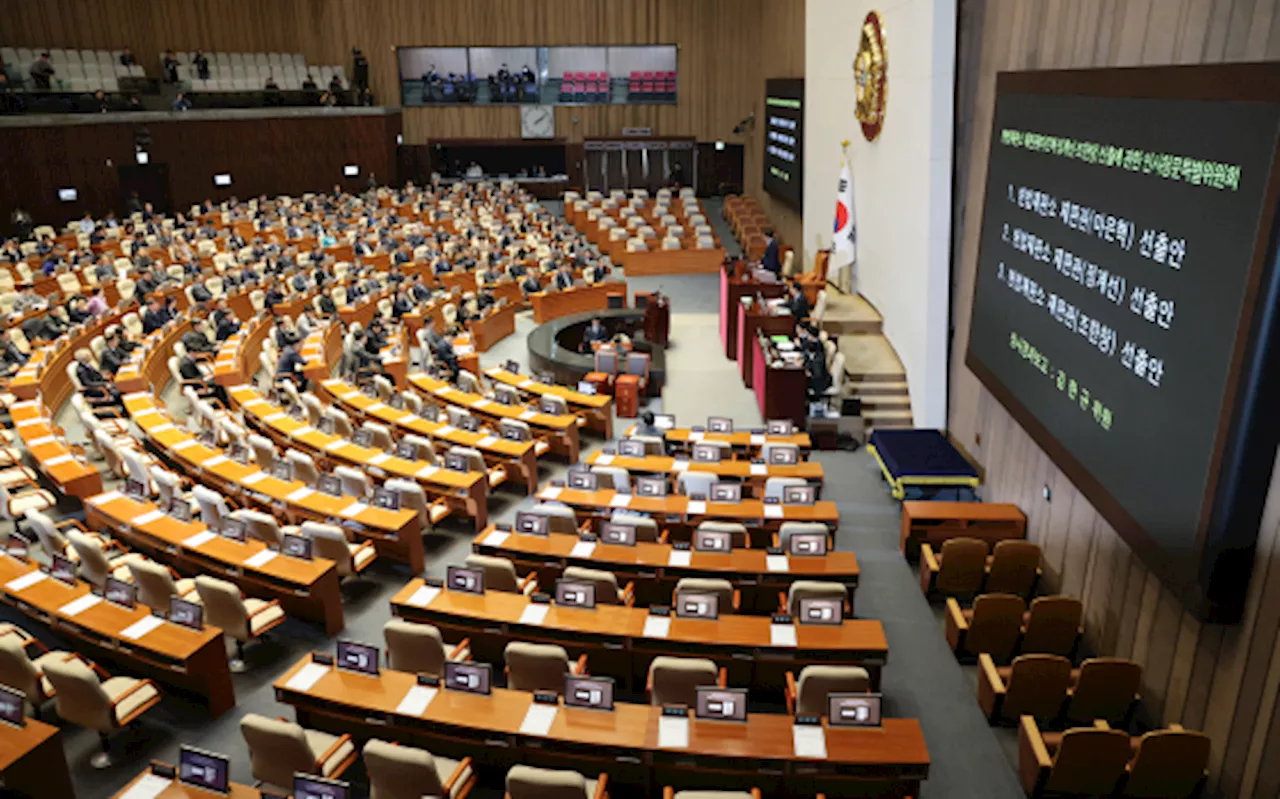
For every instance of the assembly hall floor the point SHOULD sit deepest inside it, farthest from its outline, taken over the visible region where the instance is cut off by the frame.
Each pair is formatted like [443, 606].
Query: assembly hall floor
[922, 678]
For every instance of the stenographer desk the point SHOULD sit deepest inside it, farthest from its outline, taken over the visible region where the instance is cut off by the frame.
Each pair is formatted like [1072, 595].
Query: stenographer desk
[548, 305]
[621, 641]
[624, 742]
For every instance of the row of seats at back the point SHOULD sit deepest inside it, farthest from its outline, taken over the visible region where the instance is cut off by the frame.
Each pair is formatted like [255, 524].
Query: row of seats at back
[100, 67]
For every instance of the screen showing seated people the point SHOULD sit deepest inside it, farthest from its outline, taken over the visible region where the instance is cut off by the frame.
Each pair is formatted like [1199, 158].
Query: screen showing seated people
[783, 126]
[1117, 304]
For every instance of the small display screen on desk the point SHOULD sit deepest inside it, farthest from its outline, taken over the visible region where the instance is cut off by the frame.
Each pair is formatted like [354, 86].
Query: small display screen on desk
[475, 678]
[722, 704]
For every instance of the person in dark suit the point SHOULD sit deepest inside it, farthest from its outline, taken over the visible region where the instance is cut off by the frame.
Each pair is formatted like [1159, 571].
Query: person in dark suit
[284, 336]
[274, 296]
[799, 304]
[401, 305]
[290, 366]
[564, 278]
[225, 324]
[196, 342]
[96, 385]
[771, 259]
[156, 317]
[327, 305]
[815, 369]
[594, 334]
[530, 284]
[113, 355]
[11, 358]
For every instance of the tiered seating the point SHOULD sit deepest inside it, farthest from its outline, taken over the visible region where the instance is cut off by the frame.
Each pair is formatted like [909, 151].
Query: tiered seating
[619, 225]
[651, 87]
[584, 87]
[749, 223]
[247, 72]
[75, 70]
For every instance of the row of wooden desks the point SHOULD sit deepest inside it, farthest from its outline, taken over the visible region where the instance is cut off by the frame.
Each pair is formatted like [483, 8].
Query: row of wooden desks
[464, 492]
[519, 456]
[307, 589]
[396, 534]
[744, 440]
[656, 567]
[183, 660]
[32, 762]
[596, 409]
[622, 641]
[496, 324]
[754, 474]
[66, 469]
[633, 743]
[560, 429]
[548, 305]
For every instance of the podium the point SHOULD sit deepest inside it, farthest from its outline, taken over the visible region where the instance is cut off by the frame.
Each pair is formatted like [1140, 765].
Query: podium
[626, 396]
[732, 290]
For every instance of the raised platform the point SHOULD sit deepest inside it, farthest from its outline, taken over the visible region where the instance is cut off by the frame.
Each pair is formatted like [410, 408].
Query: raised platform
[555, 347]
[850, 314]
[671, 262]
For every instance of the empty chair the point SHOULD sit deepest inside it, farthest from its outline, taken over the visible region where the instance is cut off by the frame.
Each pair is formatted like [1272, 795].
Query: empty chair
[500, 575]
[813, 589]
[1087, 761]
[243, 619]
[91, 698]
[381, 436]
[262, 526]
[646, 528]
[1034, 685]
[278, 749]
[95, 567]
[693, 482]
[311, 404]
[413, 498]
[993, 626]
[613, 477]
[212, 506]
[671, 793]
[808, 695]
[560, 517]
[420, 648]
[1014, 568]
[788, 529]
[528, 782]
[1103, 688]
[1052, 625]
[156, 583]
[304, 468]
[341, 422]
[555, 404]
[331, 543]
[957, 571]
[397, 771]
[18, 670]
[1168, 764]
[355, 483]
[726, 595]
[775, 487]
[606, 585]
[539, 667]
[264, 452]
[675, 680]
[737, 530]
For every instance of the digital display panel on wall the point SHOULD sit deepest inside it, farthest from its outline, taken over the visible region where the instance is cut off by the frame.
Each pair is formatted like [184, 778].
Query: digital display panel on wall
[1120, 307]
[784, 140]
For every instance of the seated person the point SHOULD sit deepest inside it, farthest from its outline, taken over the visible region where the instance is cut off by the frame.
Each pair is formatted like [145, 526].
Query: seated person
[225, 324]
[76, 310]
[97, 388]
[11, 358]
[114, 355]
[594, 334]
[197, 343]
[201, 293]
[646, 427]
[290, 366]
[530, 285]
[156, 316]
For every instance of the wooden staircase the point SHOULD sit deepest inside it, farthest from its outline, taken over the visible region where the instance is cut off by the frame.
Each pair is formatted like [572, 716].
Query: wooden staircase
[873, 372]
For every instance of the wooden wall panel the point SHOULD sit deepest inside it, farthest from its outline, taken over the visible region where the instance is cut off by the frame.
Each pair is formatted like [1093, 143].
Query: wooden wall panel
[1222, 679]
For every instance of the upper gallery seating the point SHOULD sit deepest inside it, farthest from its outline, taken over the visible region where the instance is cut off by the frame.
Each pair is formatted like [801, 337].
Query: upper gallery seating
[749, 223]
[584, 87]
[74, 70]
[649, 87]
[246, 72]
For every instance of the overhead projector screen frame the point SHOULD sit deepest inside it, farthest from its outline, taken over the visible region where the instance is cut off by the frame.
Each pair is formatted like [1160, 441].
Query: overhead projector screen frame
[1212, 580]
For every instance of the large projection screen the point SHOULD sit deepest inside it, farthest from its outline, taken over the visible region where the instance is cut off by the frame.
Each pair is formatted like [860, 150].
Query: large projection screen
[1124, 302]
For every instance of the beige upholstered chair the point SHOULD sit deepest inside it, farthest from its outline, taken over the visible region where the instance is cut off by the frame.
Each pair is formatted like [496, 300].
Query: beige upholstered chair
[87, 696]
[539, 667]
[560, 517]
[355, 483]
[808, 695]
[278, 749]
[419, 648]
[242, 619]
[500, 575]
[405, 772]
[727, 597]
[606, 583]
[304, 467]
[528, 782]
[95, 566]
[157, 584]
[813, 589]
[675, 680]
[19, 670]
[613, 477]
[262, 526]
[331, 543]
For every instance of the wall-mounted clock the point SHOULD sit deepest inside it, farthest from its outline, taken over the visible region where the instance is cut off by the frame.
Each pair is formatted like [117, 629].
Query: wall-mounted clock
[871, 76]
[537, 122]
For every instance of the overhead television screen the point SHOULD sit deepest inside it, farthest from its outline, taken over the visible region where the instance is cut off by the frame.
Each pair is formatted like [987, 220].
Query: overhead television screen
[1121, 302]
[784, 140]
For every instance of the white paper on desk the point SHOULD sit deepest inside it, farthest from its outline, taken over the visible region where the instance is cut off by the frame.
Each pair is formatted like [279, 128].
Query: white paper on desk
[377, 406]
[379, 459]
[254, 401]
[261, 559]
[680, 557]
[302, 431]
[103, 499]
[25, 581]
[186, 443]
[444, 430]
[29, 422]
[551, 492]
[147, 518]
[58, 461]
[306, 677]
[582, 549]
[538, 719]
[216, 460]
[527, 415]
[810, 741]
[773, 511]
[487, 441]
[423, 596]
[353, 510]
[759, 469]
[777, 563]
[335, 445]
[160, 428]
[673, 732]
[679, 465]
[203, 537]
[42, 440]
[145, 412]
[300, 494]
[141, 627]
[416, 700]
[620, 501]
[496, 539]
[534, 614]
[77, 606]
[441, 391]
[603, 460]
[426, 471]
[657, 626]
[526, 383]
[149, 787]
[695, 506]
[254, 478]
[696, 436]
[275, 417]
[409, 418]
[782, 635]
[757, 439]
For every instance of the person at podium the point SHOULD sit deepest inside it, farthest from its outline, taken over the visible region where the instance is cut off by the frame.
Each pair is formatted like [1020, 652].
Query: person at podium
[771, 260]
[594, 334]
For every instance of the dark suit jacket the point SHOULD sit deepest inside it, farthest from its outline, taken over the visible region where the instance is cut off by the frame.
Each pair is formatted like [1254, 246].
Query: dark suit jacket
[90, 376]
[799, 307]
[771, 261]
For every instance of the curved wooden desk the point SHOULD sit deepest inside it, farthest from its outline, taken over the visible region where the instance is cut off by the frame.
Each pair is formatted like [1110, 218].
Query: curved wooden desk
[519, 456]
[494, 326]
[889, 761]
[739, 439]
[32, 763]
[759, 576]
[177, 790]
[307, 589]
[596, 409]
[562, 430]
[70, 472]
[753, 474]
[396, 534]
[462, 492]
[620, 645]
[548, 305]
[187, 661]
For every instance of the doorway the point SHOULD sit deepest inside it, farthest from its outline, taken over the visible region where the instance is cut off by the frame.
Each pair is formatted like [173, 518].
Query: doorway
[150, 181]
